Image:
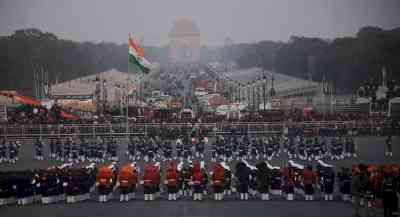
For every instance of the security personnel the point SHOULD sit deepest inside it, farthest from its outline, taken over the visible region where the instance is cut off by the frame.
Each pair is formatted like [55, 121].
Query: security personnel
[131, 149]
[52, 147]
[197, 182]
[3, 151]
[389, 147]
[345, 183]
[309, 181]
[38, 150]
[12, 152]
[389, 197]
[171, 181]
[328, 183]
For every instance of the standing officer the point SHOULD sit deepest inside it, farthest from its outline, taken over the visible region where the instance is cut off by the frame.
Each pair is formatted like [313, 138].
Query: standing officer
[389, 197]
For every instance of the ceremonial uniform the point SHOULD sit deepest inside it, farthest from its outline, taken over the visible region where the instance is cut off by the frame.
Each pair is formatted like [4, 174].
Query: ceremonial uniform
[198, 182]
[172, 181]
[308, 182]
[218, 180]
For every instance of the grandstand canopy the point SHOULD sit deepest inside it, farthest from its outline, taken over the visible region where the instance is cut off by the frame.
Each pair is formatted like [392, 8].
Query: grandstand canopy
[282, 83]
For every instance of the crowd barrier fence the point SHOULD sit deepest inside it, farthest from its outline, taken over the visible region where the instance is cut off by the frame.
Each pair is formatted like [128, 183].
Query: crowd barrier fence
[327, 128]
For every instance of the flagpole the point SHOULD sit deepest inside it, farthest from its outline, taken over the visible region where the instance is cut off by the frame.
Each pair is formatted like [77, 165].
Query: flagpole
[127, 97]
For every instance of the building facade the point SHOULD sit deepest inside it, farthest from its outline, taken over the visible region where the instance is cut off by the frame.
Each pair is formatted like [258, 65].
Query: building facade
[184, 46]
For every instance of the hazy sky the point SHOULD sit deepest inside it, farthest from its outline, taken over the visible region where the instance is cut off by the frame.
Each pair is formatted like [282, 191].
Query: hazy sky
[241, 20]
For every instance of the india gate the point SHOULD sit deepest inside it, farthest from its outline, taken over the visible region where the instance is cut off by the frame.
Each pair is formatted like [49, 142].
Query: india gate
[184, 44]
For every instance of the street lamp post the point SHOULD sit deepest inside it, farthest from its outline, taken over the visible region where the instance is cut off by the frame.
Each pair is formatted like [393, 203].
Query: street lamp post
[264, 89]
[248, 93]
[253, 95]
[239, 92]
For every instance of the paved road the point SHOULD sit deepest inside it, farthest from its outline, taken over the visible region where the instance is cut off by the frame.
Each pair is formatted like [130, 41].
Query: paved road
[185, 208]
[371, 151]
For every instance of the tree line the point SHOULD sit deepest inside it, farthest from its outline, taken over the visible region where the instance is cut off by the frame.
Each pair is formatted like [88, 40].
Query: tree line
[347, 62]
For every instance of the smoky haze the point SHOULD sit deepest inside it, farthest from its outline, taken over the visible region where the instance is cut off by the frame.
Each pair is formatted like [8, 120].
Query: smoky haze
[242, 21]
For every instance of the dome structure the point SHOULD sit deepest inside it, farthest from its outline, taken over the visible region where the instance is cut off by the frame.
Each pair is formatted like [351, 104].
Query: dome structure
[184, 43]
[184, 28]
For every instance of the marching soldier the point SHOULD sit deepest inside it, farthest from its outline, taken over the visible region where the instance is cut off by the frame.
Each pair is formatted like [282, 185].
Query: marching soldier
[263, 180]
[172, 181]
[131, 150]
[3, 151]
[59, 152]
[52, 147]
[242, 179]
[308, 182]
[218, 180]
[67, 150]
[328, 183]
[12, 152]
[389, 147]
[105, 181]
[389, 191]
[75, 151]
[127, 181]
[197, 182]
[151, 181]
[289, 182]
[38, 150]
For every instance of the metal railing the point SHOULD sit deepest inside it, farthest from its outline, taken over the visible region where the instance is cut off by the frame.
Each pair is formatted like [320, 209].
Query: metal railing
[120, 130]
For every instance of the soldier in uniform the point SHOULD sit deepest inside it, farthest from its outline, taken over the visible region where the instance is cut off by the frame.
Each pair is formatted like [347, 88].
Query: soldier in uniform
[263, 180]
[151, 178]
[82, 150]
[227, 178]
[389, 191]
[370, 193]
[113, 150]
[131, 149]
[308, 182]
[199, 148]
[345, 183]
[59, 151]
[302, 150]
[289, 182]
[3, 151]
[75, 151]
[38, 150]
[242, 176]
[328, 183]
[388, 151]
[197, 182]
[12, 152]
[218, 180]
[187, 152]
[172, 181]
[276, 145]
[291, 148]
[67, 150]
[127, 181]
[105, 181]
[270, 150]
[316, 149]
[52, 147]
[179, 149]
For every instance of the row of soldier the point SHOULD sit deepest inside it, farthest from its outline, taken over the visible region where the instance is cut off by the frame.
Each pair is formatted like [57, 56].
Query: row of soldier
[9, 151]
[196, 179]
[304, 148]
[79, 149]
[228, 148]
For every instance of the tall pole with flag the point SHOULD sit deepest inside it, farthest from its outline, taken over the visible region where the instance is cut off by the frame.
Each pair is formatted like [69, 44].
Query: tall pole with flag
[136, 57]
[127, 100]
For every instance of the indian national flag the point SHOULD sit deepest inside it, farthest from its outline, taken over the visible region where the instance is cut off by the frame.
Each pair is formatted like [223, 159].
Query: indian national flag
[136, 56]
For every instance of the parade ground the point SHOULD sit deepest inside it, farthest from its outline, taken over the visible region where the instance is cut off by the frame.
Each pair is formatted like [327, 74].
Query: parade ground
[371, 150]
